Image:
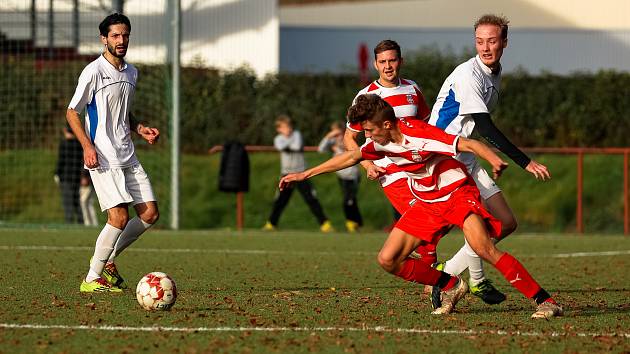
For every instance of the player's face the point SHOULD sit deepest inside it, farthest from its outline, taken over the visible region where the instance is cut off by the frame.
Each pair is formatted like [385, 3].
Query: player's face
[381, 135]
[117, 40]
[388, 65]
[489, 44]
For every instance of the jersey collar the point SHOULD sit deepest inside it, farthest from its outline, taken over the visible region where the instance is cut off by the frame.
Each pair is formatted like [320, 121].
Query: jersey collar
[486, 69]
[124, 67]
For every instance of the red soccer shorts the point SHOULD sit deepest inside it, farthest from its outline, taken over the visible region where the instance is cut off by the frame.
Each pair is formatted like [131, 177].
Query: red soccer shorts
[427, 221]
[399, 195]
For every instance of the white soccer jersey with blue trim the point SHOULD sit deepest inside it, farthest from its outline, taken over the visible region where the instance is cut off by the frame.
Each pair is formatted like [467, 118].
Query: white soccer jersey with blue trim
[107, 93]
[470, 88]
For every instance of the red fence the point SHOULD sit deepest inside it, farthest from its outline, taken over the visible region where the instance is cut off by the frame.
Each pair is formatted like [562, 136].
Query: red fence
[579, 152]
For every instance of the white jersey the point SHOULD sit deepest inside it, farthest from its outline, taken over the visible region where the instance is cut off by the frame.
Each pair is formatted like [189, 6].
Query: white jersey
[107, 93]
[470, 88]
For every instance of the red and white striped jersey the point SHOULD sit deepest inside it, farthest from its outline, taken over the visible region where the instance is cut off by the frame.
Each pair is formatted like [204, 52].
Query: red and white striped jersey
[425, 158]
[406, 99]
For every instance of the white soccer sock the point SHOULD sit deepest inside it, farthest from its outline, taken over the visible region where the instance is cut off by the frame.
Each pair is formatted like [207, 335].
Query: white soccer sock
[458, 263]
[466, 258]
[104, 247]
[135, 227]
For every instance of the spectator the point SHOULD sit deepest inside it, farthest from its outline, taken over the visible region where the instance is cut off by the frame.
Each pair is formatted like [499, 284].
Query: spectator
[289, 143]
[348, 177]
[86, 198]
[68, 176]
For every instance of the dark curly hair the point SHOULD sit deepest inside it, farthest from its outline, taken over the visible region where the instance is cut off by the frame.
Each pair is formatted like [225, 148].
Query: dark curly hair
[113, 19]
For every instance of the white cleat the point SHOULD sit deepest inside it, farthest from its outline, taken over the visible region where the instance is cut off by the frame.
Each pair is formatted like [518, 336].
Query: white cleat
[451, 297]
[547, 310]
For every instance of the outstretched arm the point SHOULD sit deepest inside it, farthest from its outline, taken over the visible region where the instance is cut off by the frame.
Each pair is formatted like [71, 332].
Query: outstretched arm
[486, 128]
[338, 162]
[482, 150]
[350, 143]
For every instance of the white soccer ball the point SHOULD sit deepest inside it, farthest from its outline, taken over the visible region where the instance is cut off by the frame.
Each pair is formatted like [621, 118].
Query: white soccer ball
[156, 291]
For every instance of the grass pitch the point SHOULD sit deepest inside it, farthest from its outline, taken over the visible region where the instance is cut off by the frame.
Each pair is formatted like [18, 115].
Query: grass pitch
[301, 292]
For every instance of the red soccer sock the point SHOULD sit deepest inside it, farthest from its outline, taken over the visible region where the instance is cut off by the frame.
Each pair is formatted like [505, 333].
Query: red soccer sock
[415, 270]
[427, 253]
[517, 275]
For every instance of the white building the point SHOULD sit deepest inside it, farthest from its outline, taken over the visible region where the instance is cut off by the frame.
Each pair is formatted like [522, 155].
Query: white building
[560, 36]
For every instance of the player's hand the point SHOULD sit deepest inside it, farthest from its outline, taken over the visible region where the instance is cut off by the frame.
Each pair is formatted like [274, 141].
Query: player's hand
[498, 168]
[90, 158]
[538, 170]
[286, 181]
[56, 179]
[373, 171]
[149, 134]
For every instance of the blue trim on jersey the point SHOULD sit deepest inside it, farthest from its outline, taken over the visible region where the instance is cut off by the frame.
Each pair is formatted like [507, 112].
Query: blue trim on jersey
[448, 112]
[93, 115]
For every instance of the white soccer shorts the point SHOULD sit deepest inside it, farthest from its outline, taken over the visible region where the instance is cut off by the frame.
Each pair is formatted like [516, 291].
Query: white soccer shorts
[486, 185]
[114, 186]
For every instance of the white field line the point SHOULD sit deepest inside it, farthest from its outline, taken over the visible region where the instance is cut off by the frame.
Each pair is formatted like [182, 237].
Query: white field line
[262, 252]
[311, 329]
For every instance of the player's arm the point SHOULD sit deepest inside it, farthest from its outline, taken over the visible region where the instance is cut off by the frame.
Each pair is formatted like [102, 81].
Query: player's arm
[482, 150]
[89, 152]
[486, 128]
[336, 163]
[350, 143]
[149, 134]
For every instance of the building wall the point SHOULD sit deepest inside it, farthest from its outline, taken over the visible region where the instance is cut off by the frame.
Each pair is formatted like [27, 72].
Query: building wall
[223, 34]
[560, 36]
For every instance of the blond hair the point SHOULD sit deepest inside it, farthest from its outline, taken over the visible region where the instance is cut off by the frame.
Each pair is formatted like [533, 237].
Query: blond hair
[496, 20]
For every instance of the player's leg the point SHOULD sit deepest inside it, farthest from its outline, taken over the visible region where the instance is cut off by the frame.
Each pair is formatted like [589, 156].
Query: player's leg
[310, 197]
[478, 227]
[113, 196]
[394, 257]
[139, 187]
[117, 217]
[466, 257]
[279, 203]
[499, 208]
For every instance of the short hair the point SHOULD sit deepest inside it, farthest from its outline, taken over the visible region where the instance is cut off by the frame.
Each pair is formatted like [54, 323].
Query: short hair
[371, 107]
[386, 45]
[497, 20]
[284, 119]
[113, 19]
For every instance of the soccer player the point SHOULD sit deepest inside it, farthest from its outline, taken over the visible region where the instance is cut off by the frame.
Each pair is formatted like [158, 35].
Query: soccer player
[463, 104]
[106, 88]
[291, 147]
[445, 194]
[409, 105]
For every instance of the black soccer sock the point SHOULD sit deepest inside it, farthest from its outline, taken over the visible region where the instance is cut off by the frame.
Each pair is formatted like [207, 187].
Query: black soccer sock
[541, 296]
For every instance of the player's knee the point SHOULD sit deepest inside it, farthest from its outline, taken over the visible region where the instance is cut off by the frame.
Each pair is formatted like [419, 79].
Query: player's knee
[508, 227]
[150, 217]
[387, 263]
[118, 220]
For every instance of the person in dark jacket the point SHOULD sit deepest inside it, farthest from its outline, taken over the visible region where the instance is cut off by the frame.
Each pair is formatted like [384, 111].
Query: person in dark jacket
[68, 176]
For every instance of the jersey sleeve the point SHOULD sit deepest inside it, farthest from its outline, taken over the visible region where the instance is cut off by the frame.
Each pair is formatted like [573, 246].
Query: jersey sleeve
[84, 92]
[369, 152]
[469, 94]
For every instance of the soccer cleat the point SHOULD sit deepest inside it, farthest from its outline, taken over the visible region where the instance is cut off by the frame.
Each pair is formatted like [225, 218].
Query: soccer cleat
[352, 226]
[269, 227]
[326, 227]
[110, 273]
[98, 285]
[548, 309]
[487, 292]
[450, 297]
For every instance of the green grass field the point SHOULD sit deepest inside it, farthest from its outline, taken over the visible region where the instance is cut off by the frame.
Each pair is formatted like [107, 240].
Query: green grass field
[301, 292]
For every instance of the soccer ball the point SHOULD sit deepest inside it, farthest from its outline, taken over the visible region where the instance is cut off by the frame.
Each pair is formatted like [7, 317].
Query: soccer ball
[156, 291]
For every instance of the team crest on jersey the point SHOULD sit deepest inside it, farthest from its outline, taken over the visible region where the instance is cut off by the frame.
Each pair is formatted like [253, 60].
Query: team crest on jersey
[410, 99]
[415, 155]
